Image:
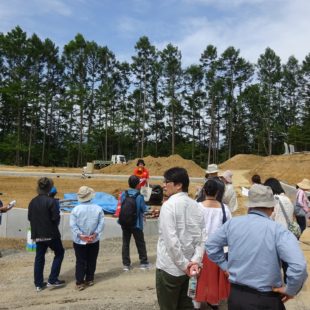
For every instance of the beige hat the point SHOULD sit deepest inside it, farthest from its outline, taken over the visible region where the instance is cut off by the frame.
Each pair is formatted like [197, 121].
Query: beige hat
[85, 193]
[212, 168]
[260, 196]
[227, 175]
[304, 184]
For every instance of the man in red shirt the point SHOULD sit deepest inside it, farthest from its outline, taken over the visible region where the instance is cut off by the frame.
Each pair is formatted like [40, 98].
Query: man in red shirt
[142, 173]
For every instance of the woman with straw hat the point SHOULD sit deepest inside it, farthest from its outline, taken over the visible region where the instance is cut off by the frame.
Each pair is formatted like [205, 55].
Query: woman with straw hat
[302, 205]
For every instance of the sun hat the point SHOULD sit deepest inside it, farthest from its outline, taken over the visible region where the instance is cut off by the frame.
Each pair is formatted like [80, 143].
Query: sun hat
[260, 196]
[304, 184]
[85, 193]
[212, 168]
[140, 161]
[227, 175]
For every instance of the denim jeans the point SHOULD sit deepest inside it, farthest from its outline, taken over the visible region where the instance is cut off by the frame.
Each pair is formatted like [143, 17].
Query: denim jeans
[56, 246]
[86, 261]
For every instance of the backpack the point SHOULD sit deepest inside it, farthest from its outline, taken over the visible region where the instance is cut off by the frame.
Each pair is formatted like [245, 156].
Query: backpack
[128, 214]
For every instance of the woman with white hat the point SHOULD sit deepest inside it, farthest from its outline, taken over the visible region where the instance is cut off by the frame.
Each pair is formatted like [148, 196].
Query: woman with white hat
[302, 205]
[86, 222]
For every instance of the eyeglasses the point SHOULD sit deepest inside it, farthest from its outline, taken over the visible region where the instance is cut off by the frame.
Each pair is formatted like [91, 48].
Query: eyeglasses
[167, 181]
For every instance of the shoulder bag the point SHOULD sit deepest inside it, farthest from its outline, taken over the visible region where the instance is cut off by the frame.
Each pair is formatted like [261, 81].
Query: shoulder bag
[293, 226]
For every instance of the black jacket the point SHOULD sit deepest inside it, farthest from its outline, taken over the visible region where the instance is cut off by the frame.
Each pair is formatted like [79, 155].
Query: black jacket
[44, 217]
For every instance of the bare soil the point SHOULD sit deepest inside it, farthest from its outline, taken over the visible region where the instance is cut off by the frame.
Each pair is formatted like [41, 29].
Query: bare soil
[113, 288]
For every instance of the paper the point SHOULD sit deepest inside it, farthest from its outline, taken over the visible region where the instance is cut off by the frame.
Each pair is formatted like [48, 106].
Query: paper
[244, 191]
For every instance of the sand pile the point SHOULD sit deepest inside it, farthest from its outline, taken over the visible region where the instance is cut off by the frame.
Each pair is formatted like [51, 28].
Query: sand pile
[287, 168]
[157, 166]
[242, 161]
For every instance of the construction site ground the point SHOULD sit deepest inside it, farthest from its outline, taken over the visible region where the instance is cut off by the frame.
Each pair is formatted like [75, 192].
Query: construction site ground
[115, 289]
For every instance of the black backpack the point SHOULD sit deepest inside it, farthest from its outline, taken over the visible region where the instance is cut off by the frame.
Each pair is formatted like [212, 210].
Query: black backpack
[128, 214]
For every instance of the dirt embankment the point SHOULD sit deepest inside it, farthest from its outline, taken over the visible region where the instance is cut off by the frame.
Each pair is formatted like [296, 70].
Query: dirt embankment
[157, 166]
[290, 169]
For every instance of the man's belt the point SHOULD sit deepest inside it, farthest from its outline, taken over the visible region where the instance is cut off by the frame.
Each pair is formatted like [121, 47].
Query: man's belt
[248, 289]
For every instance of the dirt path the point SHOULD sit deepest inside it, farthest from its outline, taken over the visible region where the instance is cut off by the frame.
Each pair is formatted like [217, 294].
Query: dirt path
[113, 289]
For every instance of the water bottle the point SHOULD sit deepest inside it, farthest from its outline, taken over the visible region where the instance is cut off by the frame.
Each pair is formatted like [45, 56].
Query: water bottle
[192, 285]
[11, 204]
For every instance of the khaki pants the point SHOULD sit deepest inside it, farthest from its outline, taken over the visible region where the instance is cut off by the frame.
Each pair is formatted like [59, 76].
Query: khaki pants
[172, 291]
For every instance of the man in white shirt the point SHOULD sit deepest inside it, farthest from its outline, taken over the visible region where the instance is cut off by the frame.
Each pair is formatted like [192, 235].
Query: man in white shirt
[181, 242]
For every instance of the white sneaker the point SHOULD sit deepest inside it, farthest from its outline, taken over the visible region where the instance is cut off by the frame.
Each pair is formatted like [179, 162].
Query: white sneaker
[145, 266]
[126, 268]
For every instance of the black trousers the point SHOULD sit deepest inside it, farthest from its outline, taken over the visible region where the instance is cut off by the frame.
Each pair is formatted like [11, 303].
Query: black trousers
[302, 222]
[140, 244]
[245, 298]
[86, 261]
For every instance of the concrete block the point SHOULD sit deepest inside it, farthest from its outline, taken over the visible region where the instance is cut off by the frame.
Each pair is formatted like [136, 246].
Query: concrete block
[17, 223]
[111, 228]
[3, 225]
[66, 231]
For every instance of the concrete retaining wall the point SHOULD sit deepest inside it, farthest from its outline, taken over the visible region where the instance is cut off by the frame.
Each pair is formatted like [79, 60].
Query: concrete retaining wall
[15, 225]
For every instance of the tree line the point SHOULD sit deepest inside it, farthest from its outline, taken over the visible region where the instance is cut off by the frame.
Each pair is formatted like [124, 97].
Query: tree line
[66, 108]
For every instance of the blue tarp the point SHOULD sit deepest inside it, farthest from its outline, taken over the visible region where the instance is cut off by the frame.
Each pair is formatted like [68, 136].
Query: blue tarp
[106, 201]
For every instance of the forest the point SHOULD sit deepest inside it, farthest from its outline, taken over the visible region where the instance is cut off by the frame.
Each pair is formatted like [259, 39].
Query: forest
[68, 106]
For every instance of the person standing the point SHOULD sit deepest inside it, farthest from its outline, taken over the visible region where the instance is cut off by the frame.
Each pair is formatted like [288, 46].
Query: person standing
[135, 206]
[257, 245]
[86, 222]
[286, 203]
[44, 217]
[230, 197]
[212, 173]
[142, 173]
[181, 240]
[212, 285]
[302, 205]
[283, 204]
[4, 209]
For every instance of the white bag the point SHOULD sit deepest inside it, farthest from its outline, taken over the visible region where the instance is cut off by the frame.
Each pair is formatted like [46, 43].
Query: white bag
[146, 192]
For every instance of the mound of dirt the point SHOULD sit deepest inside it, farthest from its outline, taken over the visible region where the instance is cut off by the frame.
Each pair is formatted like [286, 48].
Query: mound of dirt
[290, 169]
[242, 161]
[157, 166]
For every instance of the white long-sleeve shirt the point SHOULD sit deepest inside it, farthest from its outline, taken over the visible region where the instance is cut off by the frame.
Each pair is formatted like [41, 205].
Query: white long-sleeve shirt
[288, 207]
[181, 234]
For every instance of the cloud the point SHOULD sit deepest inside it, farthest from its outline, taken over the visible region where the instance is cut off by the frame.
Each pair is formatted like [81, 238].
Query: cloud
[284, 29]
[128, 25]
[22, 11]
[226, 4]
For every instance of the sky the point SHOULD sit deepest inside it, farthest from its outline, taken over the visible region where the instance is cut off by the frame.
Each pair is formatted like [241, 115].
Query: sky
[249, 25]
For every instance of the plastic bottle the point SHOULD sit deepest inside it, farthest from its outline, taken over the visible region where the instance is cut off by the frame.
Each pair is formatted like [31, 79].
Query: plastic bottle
[11, 204]
[192, 285]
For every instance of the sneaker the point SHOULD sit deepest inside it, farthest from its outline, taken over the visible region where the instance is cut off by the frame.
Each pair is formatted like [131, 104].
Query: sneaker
[126, 268]
[80, 287]
[57, 283]
[89, 283]
[42, 287]
[145, 266]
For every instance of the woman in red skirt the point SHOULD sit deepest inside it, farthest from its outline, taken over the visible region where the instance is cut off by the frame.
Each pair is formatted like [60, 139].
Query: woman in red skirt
[212, 284]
